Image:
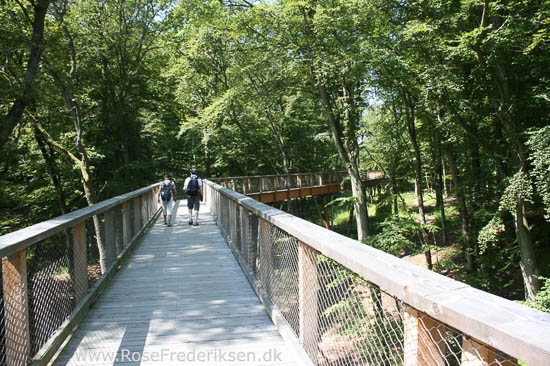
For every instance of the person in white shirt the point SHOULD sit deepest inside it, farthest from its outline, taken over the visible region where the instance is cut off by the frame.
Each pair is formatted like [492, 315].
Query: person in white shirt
[167, 195]
[193, 188]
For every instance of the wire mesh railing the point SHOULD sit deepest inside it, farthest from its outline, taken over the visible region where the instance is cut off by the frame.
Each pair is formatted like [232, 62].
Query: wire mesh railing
[345, 303]
[51, 270]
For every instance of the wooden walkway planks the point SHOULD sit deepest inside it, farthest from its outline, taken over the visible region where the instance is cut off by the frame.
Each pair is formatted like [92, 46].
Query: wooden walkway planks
[180, 299]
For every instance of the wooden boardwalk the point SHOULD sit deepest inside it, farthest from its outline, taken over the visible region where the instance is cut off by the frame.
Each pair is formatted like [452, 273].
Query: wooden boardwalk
[180, 299]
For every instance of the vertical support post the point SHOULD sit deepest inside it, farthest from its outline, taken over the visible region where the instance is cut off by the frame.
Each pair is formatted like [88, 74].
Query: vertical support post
[126, 224]
[151, 204]
[299, 178]
[233, 186]
[245, 190]
[251, 230]
[288, 181]
[16, 308]
[261, 186]
[232, 223]
[236, 225]
[424, 342]
[137, 215]
[243, 234]
[110, 237]
[80, 261]
[307, 300]
[275, 187]
[475, 353]
[144, 209]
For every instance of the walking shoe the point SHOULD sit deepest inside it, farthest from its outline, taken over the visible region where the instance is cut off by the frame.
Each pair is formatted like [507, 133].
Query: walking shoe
[190, 222]
[196, 224]
[169, 224]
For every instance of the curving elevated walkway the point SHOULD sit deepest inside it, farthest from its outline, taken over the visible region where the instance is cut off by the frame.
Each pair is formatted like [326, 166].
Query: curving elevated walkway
[180, 299]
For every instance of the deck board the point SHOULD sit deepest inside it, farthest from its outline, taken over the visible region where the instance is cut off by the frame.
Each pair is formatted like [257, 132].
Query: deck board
[181, 294]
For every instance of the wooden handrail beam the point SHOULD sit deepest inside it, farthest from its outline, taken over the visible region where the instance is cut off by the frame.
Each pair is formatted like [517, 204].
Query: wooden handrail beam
[21, 239]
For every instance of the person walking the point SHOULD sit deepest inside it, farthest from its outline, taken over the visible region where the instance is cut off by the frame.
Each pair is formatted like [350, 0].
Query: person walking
[167, 194]
[193, 186]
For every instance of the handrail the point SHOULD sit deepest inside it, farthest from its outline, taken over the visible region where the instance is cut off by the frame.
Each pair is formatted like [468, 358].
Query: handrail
[499, 324]
[21, 239]
[342, 172]
[46, 278]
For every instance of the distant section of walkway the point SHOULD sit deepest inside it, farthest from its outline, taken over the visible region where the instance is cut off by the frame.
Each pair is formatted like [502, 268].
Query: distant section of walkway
[180, 299]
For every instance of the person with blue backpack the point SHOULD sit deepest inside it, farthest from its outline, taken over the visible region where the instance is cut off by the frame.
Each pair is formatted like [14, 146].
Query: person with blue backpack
[193, 188]
[167, 194]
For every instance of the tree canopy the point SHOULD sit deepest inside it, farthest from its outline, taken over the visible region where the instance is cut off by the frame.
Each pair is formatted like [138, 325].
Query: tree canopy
[447, 97]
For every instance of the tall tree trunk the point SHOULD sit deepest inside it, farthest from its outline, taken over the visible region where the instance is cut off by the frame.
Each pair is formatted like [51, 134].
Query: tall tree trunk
[21, 101]
[51, 167]
[86, 175]
[467, 247]
[439, 190]
[52, 170]
[418, 179]
[499, 76]
[349, 157]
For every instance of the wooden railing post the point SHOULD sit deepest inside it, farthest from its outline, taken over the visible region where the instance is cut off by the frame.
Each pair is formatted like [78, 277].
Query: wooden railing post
[80, 261]
[234, 223]
[261, 187]
[144, 209]
[288, 183]
[424, 342]
[16, 308]
[307, 300]
[233, 185]
[110, 250]
[245, 190]
[126, 224]
[137, 215]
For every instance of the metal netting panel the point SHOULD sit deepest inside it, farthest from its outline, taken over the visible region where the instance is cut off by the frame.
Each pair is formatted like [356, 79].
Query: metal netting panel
[278, 270]
[253, 185]
[92, 253]
[224, 214]
[442, 345]
[358, 323]
[51, 287]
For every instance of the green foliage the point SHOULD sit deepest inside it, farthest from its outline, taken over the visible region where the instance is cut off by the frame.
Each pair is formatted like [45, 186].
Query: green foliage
[543, 296]
[519, 188]
[491, 234]
[238, 89]
[395, 235]
[539, 144]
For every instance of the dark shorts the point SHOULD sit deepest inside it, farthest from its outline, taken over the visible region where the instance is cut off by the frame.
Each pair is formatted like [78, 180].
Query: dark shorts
[193, 202]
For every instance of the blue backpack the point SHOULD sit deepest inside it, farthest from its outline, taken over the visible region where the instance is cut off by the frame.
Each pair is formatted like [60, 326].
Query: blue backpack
[193, 186]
